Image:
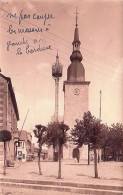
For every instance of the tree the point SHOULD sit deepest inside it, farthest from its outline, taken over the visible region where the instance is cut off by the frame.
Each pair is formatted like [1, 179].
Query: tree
[5, 136]
[40, 133]
[57, 135]
[112, 142]
[116, 140]
[88, 131]
[104, 142]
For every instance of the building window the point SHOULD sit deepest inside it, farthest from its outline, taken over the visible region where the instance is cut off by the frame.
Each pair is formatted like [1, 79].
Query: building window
[1, 121]
[1, 83]
[1, 114]
[1, 96]
[1, 109]
[20, 144]
[1, 102]
[2, 90]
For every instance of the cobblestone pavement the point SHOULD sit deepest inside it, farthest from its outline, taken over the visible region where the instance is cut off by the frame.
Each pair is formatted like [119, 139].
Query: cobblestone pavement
[109, 172]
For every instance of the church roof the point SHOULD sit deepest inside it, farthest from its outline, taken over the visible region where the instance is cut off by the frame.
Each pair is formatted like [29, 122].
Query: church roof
[76, 36]
[75, 71]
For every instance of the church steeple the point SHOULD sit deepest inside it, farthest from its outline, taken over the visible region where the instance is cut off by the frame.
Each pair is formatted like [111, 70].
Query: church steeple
[76, 70]
[76, 43]
[76, 54]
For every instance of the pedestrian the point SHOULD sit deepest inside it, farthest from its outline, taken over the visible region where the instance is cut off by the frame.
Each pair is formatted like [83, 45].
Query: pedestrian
[77, 158]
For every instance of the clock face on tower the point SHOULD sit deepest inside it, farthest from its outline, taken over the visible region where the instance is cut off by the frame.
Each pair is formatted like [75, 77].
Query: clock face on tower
[76, 91]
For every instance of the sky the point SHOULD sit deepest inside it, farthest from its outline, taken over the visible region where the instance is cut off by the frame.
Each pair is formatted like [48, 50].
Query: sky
[100, 33]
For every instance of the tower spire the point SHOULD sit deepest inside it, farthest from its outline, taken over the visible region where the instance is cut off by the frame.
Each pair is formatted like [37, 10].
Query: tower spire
[76, 17]
[57, 57]
[76, 42]
[76, 71]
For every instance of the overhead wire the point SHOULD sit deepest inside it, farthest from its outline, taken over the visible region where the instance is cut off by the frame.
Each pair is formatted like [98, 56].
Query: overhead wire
[56, 36]
[68, 60]
[56, 49]
[44, 36]
[65, 40]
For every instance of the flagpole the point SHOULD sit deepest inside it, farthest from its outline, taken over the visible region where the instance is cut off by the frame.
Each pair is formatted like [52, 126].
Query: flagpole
[100, 119]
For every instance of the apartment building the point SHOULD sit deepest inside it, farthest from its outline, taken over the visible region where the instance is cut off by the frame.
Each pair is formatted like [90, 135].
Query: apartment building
[24, 146]
[8, 115]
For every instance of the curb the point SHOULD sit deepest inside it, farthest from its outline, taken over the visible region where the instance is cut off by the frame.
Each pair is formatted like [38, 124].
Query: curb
[63, 189]
[63, 186]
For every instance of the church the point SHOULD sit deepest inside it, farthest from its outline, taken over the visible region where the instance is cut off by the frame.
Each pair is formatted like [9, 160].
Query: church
[76, 95]
[76, 98]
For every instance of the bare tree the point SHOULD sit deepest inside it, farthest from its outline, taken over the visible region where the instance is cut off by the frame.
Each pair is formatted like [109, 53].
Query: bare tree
[40, 133]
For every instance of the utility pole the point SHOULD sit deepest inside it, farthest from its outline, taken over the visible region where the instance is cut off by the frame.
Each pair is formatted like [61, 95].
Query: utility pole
[22, 126]
[24, 120]
[100, 119]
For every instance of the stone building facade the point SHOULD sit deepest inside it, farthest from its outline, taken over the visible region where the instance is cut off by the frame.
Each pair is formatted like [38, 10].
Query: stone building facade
[8, 115]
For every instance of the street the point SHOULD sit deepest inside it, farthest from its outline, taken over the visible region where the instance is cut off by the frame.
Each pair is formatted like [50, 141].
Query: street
[23, 191]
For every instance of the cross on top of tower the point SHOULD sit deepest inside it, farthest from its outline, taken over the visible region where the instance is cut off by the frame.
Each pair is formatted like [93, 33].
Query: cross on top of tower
[76, 17]
[57, 54]
[57, 58]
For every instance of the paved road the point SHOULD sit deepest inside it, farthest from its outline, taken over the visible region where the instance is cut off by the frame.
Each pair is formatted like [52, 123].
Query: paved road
[20, 191]
[110, 173]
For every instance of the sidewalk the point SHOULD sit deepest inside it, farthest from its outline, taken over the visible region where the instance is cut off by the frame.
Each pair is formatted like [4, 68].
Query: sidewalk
[110, 173]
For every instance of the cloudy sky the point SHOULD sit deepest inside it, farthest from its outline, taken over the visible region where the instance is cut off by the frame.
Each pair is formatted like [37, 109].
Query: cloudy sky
[100, 32]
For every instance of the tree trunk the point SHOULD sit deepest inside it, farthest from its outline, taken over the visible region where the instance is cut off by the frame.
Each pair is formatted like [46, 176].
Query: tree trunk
[53, 152]
[88, 154]
[39, 164]
[95, 163]
[104, 154]
[59, 171]
[4, 172]
[113, 154]
[98, 156]
[116, 156]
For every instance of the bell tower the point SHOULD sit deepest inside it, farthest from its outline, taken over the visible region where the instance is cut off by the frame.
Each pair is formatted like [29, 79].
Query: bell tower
[76, 95]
